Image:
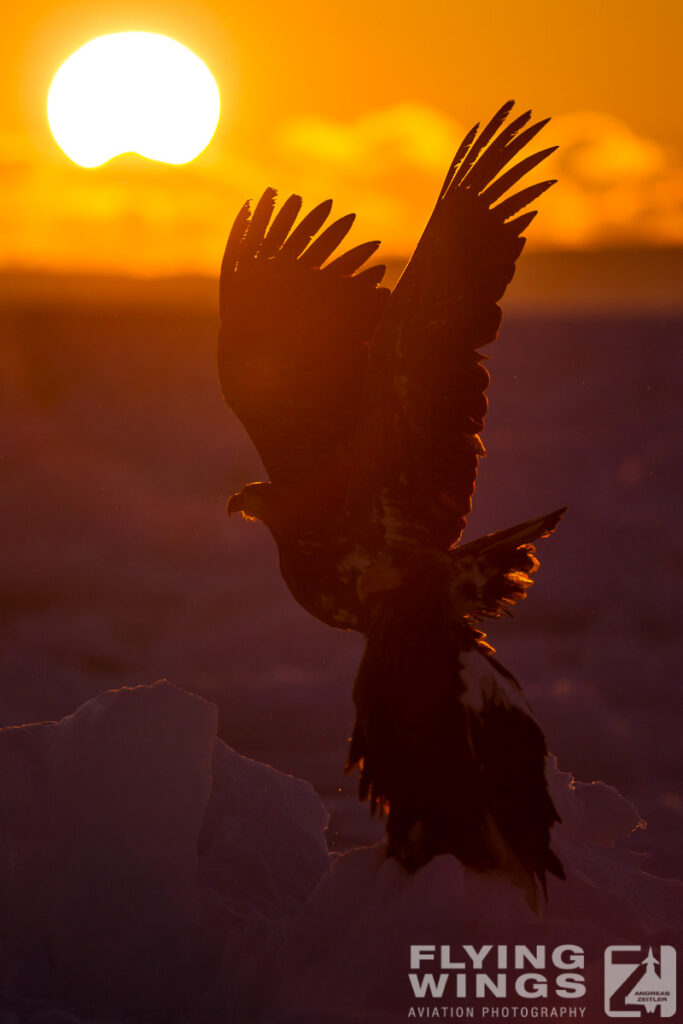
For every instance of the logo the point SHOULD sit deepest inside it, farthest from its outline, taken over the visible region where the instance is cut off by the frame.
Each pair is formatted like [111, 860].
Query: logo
[489, 973]
[640, 980]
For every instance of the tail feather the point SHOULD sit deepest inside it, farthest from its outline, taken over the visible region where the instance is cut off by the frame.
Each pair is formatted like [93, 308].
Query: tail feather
[447, 745]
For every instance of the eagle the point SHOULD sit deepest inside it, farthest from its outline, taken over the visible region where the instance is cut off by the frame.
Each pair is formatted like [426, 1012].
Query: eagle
[365, 406]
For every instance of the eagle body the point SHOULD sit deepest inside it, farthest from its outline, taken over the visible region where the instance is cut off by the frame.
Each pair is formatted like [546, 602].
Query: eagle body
[366, 407]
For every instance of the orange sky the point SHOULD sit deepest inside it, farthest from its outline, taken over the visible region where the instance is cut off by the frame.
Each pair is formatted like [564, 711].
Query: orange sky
[360, 101]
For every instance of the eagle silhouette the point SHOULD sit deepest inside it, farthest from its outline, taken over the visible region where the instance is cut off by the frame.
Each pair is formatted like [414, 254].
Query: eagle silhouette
[365, 406]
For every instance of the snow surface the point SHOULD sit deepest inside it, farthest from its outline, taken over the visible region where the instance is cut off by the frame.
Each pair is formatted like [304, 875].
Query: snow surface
[150, 873]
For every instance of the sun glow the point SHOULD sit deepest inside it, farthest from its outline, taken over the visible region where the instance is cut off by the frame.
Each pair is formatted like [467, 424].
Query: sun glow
[133, 92]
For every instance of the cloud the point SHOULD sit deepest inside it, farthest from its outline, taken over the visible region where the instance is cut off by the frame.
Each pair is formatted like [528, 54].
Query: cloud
[386, 165]
[615, 187]
[408, 135]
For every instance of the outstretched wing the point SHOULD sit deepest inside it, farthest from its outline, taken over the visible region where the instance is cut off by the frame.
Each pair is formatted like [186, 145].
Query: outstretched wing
[424, 401]
[294, 339]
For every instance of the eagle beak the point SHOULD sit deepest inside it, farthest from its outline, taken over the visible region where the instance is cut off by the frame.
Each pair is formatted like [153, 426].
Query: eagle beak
[236, 504]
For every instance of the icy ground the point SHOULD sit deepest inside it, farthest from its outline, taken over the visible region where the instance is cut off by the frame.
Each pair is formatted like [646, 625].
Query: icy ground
[149, 873]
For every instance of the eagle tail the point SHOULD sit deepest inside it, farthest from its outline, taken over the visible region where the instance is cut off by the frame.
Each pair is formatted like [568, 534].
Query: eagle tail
[447, 746]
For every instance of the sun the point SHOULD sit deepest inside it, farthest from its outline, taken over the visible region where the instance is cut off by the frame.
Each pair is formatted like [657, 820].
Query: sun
[133, 92]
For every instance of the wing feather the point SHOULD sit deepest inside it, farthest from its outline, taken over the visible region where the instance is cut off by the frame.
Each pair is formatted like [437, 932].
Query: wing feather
[373, 275]
[425, 400]
[483, 140]
[501, 185]
[303, 232]
[324, 246]
[353, 259]
[281, 226]
[460, 155]
[235, 239]
[521, 223]
[515, 203]
[254, 235]
[293, 343]
[500, 153]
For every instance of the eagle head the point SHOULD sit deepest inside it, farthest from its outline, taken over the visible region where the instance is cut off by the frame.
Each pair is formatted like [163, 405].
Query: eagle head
[254, 501]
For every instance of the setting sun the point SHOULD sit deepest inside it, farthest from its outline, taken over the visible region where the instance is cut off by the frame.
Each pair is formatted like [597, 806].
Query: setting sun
[133, 92]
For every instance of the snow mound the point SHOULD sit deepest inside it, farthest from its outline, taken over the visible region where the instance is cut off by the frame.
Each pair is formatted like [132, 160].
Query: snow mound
[149, 873]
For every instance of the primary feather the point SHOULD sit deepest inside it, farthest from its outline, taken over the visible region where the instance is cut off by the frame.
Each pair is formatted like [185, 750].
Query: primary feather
[366, 409]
